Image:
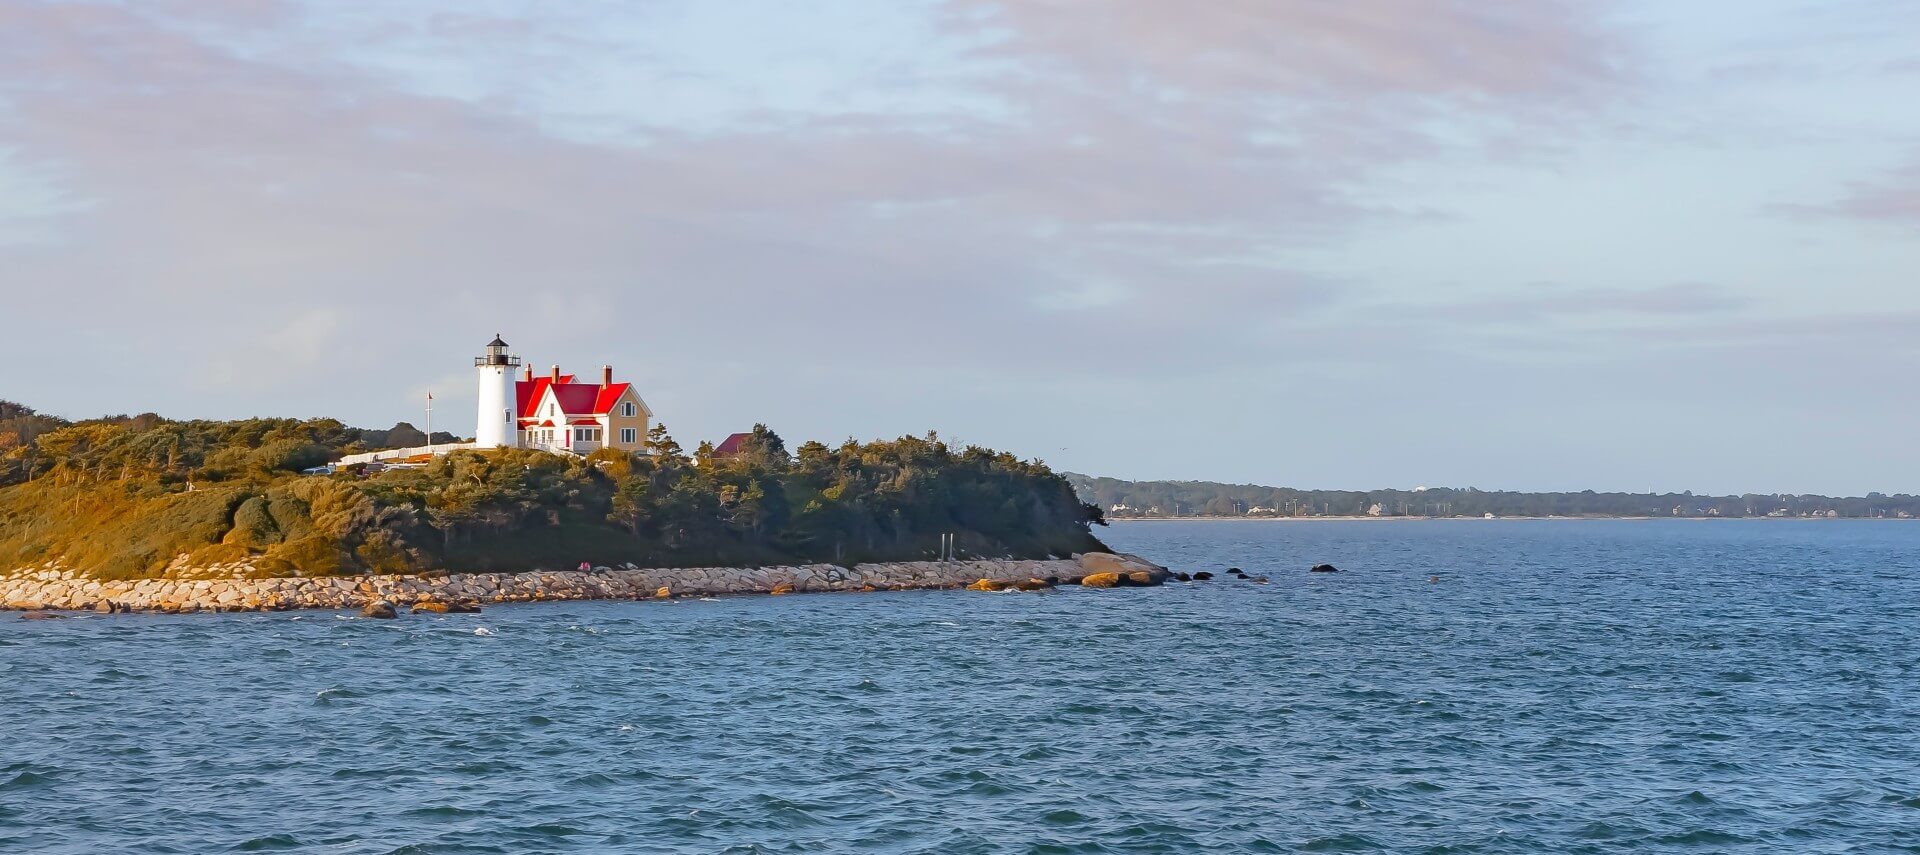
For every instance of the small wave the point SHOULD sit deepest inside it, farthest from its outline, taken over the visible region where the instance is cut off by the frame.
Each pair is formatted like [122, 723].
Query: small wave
[269, 843]
[326, 696]
[1340, 843]
[27, 780]
[481, 630]
[441, 812]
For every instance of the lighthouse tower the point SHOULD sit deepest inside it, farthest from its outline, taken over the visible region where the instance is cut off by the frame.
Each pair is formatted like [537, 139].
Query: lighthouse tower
[498, 424]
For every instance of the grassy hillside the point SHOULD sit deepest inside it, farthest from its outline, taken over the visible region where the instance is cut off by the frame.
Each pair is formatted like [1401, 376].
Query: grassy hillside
[121, 498]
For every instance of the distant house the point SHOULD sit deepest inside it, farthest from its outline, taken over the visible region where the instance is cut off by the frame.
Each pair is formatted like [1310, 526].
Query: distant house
[733, 446]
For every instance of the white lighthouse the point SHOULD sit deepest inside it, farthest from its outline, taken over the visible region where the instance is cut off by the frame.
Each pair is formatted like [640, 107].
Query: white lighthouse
[498, 424]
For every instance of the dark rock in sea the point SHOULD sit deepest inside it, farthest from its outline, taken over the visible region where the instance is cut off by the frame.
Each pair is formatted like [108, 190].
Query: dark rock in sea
[430, 607]
[1183, 576]
[1257, 580]
[1324, 568]
[105, 607]
[1033, 585]
[1203, 576]
[989, 585]
[380, 609]
[41, 616]
[1236, 571]
[1133, 568]
[463, 607]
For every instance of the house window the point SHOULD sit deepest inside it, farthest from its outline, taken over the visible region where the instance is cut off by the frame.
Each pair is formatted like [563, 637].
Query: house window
[506, 415]
[626, 409]
[628, 435]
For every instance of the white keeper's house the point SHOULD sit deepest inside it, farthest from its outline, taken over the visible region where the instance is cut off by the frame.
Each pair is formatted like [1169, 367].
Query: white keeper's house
[554, 413]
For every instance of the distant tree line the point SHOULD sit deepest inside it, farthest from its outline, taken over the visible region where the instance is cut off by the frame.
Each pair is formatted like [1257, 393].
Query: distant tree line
[126, 496]
[1121, 499]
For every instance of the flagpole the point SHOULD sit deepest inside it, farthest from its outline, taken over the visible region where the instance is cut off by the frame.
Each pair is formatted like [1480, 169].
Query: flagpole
[429, 422]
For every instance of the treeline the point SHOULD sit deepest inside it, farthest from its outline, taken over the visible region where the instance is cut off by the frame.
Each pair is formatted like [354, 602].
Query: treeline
[1206, 498]
[20, 425]
[122, 497]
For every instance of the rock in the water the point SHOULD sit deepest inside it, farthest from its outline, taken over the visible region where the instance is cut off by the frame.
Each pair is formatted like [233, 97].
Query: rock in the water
[1145, 578]
[1033, 585]
[1202, 576]
[380, 609]
[41, 616]
[1124, 565]
[1324, 568]
[430, 606]
[464, 607]
[989, 585]
[1102, 580]
[663, 592]
[782, 588]
[105, 607]
[1183, 576]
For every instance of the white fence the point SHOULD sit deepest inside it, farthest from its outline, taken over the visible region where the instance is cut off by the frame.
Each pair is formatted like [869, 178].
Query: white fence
[402, 453]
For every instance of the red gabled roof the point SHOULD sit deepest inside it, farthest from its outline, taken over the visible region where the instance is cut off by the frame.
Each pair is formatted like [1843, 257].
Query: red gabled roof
[609, 396]
[576, 399]
[731, 445]
[525, 392]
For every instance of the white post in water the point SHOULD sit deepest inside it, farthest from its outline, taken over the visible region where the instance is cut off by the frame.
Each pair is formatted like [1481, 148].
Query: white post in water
[497, 425]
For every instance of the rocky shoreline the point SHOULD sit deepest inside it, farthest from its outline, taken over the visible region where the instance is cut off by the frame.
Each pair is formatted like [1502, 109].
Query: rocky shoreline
[53, 588]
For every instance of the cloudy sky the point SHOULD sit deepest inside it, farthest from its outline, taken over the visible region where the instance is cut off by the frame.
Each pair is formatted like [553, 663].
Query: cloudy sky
[1366, 243]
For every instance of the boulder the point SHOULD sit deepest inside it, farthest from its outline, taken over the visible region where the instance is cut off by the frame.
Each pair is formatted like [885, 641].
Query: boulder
[1202, 576]
[380, 609]
[463, 607]
[1033, 585]
[105, 607]
[1324, 568]
[989, 585]
[41, 616]
[1124, 564]
[1183, 576]
[1145, 578]
[430, 607]
[1102, 580]
[782, 588]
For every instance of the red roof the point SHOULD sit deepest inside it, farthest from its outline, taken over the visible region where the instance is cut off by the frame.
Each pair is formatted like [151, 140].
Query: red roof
[525, 392]
[731, 445]
[576, 399]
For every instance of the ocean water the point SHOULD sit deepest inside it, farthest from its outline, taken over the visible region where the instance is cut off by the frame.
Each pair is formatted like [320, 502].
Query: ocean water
[1606, 686]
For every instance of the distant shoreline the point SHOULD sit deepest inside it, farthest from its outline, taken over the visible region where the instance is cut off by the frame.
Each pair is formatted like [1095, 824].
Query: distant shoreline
[1357, 518]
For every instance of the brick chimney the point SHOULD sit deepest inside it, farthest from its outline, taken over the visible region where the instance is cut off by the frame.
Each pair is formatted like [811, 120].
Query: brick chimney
[529, 372]
[556, 373]
[606, 376]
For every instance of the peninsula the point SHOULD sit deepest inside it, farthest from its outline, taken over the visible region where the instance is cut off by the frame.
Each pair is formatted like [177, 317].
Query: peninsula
[563, 478]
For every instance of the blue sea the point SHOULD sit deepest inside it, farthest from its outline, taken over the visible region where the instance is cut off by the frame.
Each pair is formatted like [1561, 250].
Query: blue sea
[1462, 687]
